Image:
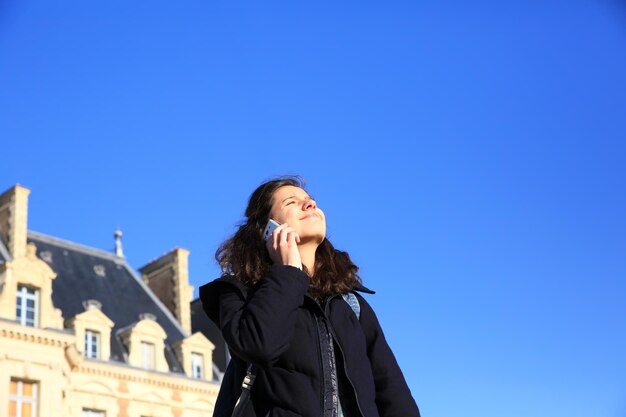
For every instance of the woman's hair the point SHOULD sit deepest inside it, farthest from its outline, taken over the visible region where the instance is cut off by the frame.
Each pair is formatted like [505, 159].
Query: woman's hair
[245, 254]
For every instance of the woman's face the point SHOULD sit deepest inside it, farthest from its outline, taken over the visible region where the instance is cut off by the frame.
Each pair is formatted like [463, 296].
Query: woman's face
[292, 205]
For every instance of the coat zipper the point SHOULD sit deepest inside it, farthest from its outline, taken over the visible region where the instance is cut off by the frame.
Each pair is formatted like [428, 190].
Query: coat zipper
[332, 332]
[319, 353]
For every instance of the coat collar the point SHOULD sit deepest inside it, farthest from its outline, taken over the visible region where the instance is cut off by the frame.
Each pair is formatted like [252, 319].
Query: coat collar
[361, 288]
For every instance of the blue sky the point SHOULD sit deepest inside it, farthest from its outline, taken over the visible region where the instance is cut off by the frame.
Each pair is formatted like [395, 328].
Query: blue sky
[468, 155]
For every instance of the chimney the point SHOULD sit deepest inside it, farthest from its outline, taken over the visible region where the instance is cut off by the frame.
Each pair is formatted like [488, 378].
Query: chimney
[14, 219]
[168, 278]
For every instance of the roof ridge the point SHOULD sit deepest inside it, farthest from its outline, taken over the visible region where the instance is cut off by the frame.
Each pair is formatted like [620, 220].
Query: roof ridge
[74, 246]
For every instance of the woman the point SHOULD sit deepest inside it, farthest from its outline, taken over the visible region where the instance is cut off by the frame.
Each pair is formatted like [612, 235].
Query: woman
[280, 307]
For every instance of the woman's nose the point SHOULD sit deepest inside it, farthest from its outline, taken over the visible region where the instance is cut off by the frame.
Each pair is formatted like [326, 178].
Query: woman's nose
[310, 204]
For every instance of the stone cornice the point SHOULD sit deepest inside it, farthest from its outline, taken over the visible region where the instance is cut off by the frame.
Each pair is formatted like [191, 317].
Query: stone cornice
[49, 337]
[123, 372]
[111, 369]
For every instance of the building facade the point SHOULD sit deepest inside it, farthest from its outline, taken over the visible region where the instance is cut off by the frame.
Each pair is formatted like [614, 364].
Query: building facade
[84, 335]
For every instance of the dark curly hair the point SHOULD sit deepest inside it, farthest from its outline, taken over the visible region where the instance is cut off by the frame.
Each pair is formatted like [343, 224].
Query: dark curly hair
[245, 254]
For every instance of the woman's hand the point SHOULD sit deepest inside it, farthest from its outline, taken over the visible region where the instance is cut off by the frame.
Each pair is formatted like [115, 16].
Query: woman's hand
[283, 246]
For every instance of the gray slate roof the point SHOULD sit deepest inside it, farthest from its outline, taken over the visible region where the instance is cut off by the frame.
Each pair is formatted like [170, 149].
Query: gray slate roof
[85, 273]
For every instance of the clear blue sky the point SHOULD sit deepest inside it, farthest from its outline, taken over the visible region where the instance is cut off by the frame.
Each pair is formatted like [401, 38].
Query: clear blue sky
[469, 155]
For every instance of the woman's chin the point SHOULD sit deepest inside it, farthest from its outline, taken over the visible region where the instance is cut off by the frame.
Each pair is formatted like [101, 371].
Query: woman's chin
[313, 238]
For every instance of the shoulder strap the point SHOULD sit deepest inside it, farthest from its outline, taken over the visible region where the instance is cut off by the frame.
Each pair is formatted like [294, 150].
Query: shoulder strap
[246, 387]
[353, 302]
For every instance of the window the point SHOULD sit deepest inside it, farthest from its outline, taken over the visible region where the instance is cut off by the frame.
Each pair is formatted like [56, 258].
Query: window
[92, 344]
[92, 413]
[22, 399]
[147, 355]
[197, 365]
[27, 305]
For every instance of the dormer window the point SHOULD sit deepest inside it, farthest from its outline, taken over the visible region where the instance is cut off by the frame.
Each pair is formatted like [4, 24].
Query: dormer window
[197, 365]
[145, 341]
[93, 331]
[195, 353]
[92, 344]
[27, 311]
[147, 355]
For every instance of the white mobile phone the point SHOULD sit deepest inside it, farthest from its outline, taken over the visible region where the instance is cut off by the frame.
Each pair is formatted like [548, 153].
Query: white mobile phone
[269, 229]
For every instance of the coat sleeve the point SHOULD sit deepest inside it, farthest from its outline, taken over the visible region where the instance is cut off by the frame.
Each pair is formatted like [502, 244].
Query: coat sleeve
[258, 328]
[393, 396]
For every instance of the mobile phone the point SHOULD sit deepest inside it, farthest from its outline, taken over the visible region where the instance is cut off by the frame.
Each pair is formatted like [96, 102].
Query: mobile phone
[271, 225]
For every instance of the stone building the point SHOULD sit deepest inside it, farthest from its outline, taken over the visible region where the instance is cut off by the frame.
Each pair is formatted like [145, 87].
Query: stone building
[82, 334]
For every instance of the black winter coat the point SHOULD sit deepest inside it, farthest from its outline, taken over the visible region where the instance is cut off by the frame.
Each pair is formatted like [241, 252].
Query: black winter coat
[274, 326]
